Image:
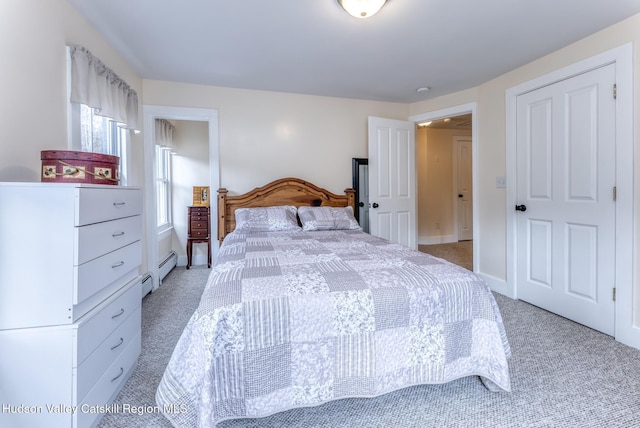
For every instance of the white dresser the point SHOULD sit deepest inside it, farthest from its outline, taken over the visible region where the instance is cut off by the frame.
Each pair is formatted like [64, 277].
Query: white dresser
[70, 298]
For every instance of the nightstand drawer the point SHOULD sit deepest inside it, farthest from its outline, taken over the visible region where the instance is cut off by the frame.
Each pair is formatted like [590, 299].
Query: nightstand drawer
[199, 225]
[199, 233]
[202, 210]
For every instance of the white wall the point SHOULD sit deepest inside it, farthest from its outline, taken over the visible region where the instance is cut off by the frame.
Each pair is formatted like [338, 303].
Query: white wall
[436, 195]
[33, 76]
[33, 84]
[190, 167]
[268, 135]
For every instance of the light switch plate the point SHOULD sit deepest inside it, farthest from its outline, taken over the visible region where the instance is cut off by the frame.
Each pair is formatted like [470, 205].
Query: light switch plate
[501, 182]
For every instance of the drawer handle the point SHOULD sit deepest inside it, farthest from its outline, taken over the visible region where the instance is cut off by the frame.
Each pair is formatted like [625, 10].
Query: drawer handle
[118, 234]
[119, 314]
[118, 345]
[117, 265]
[119, 374]
[119, 204]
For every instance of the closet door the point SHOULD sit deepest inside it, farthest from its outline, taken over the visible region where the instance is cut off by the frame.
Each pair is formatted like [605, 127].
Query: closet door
[566, 207]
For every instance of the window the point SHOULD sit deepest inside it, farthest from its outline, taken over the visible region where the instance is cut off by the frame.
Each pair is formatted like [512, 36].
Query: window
[163, 187]
[102, 108]
[94, 133]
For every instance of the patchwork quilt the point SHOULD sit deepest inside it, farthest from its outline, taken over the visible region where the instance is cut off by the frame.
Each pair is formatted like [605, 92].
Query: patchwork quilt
[296, 318]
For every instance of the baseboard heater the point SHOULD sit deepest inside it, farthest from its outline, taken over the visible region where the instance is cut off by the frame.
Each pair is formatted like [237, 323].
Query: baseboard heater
[147, 284]
[167, 265]
[164, 268]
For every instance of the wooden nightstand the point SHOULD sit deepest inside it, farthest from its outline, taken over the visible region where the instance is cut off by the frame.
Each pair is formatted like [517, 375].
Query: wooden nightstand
[198, 231]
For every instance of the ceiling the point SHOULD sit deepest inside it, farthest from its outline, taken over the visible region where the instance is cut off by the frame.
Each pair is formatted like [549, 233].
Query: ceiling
[315, 47]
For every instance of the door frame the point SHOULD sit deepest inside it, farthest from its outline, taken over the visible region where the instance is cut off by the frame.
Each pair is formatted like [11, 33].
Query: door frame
[625, 331]
[151, 113]
[458, 111]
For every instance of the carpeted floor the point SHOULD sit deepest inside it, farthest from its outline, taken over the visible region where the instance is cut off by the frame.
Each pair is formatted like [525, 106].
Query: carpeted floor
[562, 374]
[460, 253]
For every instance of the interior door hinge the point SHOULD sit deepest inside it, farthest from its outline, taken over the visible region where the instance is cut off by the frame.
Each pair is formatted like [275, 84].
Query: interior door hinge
[615, 91]
[614, 294]
[615, 193]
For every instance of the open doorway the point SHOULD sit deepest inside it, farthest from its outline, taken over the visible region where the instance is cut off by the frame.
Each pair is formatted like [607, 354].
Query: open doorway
[444, 157]
[189, 167]
[212, 176]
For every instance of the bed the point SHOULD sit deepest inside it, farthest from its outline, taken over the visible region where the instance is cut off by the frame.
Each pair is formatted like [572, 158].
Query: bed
[302, 307]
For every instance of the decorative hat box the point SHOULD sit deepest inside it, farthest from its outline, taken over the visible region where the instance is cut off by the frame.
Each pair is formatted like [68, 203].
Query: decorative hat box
[62, 166]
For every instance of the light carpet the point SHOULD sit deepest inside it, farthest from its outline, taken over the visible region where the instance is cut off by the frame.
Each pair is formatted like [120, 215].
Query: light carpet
[460, 253]
[563, 375]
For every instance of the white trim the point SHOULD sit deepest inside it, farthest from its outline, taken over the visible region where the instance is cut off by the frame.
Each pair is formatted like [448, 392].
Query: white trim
[165, 231]
[625, 330]
[457, 111]
[439, 239]
[496, 284]
[151, 113]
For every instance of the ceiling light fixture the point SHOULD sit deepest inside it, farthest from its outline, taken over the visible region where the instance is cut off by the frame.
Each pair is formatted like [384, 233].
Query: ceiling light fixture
[422, 89]
[425, 123]
[362, 8]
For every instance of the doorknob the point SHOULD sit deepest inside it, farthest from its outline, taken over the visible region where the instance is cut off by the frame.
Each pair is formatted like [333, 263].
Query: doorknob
[361, 204]
[460, 195]
[522, 208]
[375, 205]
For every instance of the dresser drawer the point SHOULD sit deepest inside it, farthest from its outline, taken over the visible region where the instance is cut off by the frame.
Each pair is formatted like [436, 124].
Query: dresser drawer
[96, 239]
[107, 386]
[92, 368]
[102, 204]
[102, 321]
[96, 274]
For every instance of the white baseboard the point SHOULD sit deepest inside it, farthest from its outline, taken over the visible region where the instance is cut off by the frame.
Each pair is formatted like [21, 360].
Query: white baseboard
[147, 283]
[167, 265]
[441, 239]
[498, 285]
[196, 260]
[629, 336]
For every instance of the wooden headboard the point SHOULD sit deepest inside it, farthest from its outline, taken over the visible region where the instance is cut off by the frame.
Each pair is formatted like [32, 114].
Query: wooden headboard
[286, 191]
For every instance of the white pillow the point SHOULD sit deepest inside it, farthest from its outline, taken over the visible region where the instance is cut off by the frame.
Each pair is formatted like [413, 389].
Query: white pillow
[327, 218]
[266, 219]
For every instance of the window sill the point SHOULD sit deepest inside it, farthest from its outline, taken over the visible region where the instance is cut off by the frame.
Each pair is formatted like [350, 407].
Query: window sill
[164, 231]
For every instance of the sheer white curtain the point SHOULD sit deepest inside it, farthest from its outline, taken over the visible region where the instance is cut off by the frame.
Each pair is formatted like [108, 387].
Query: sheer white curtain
[165, 132]
[96, 85]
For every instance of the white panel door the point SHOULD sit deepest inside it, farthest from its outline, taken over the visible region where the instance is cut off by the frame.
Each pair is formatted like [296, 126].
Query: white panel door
[464, 179]
[392, 180]
[566, 178]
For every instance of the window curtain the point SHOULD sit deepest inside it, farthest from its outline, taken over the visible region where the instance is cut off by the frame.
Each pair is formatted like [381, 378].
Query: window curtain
[165, 132]
[96, 85]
